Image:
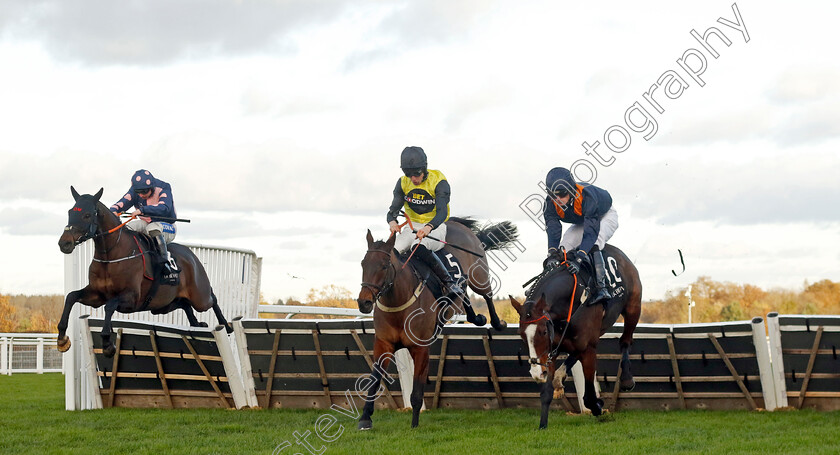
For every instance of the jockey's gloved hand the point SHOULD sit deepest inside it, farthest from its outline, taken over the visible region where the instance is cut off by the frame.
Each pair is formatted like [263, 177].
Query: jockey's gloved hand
[578, 258]
[552, 260]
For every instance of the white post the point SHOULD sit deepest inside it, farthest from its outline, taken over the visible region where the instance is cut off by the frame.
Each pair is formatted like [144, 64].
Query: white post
[94, 398]
[776, 359]
[240, 400]
[690, 302]
[765, 368]
[4, 356]
[70, 365]
[245, 362]
[405, 368]
[39, 357]
[580, 386]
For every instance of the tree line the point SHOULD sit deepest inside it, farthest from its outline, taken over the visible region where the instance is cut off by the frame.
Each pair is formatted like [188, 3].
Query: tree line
[715, 301]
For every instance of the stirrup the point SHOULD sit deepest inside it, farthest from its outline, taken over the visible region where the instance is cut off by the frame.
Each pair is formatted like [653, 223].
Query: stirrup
[601, 295]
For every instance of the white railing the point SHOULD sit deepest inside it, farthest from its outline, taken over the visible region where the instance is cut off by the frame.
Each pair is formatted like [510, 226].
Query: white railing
[291, 310]
[234, 273]
[29, 353]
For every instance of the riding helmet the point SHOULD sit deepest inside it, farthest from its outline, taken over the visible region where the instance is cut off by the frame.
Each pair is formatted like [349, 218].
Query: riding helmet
[141, 180]
[560, 181]
[413, 158]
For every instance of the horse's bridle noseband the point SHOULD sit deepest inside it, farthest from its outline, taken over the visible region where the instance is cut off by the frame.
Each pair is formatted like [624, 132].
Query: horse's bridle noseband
[552, 351]
[93, 227]
[379, 290]
[94, 232]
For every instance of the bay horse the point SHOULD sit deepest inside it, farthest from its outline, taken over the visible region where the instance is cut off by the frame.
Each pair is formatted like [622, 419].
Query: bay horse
[560, 321]
[117, 274]
[407, 315]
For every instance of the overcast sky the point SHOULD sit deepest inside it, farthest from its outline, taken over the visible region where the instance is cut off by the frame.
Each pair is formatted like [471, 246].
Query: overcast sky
[279, 125]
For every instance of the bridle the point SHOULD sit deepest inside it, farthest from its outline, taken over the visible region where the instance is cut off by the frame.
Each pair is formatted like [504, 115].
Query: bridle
[93, 232]
[387, 284]
[554, 349]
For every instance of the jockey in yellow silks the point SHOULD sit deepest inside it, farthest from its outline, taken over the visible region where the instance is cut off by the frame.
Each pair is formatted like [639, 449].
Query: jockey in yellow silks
[424, 196]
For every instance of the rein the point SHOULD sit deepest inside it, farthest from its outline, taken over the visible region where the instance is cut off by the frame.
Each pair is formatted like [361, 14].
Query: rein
[94, 233]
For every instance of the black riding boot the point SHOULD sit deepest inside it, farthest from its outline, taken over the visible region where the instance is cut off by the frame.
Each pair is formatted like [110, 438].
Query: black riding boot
[434, 263]
[170, 268]
[601, 292]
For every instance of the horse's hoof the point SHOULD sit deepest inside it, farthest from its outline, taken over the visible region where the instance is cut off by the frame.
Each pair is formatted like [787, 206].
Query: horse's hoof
[500, 326]
[598, 408]
[202, 324]
[228, 328]
[109, 351]
[543, 427]
[63, 344]
[365, 425]
[480, 320]
[627, 386]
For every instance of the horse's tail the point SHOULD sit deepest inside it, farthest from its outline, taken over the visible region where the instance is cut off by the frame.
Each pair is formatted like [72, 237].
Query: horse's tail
[493, 236]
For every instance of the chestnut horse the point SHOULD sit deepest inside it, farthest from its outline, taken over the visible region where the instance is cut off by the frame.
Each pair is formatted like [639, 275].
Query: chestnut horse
[407, 314]
[116, 275]
[544, 328]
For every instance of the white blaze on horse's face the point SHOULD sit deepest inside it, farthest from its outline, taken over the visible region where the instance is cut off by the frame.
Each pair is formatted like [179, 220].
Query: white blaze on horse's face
[537, 371]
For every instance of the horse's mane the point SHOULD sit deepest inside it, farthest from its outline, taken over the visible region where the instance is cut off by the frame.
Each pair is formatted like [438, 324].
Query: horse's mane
[466, 221]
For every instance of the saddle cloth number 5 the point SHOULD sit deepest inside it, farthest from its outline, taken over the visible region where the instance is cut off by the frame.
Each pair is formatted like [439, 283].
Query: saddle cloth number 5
[456, 265]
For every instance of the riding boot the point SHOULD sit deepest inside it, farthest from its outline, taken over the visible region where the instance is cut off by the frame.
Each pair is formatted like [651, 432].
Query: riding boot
[170, 267]
[433, 261]
[601, 292]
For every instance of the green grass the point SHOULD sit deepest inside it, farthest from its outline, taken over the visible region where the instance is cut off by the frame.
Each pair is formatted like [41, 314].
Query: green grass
[33, 420]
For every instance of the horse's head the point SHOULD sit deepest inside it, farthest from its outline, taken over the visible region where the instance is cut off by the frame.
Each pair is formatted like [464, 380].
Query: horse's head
[537, 331]
[378, 272]
[82, 221]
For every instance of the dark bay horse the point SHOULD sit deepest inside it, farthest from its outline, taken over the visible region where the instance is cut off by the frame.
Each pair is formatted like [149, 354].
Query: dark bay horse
[407, 315]
[116, 275]
[544, 328]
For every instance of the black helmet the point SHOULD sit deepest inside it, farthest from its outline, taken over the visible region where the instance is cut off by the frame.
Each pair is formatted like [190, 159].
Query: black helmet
[413, 158]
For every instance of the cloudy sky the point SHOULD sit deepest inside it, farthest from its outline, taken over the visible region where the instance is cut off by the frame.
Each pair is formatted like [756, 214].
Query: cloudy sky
[279, 125]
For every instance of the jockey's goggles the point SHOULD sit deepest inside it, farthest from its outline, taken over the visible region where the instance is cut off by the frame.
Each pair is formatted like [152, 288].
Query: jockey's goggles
[414, 172]
[142, 190]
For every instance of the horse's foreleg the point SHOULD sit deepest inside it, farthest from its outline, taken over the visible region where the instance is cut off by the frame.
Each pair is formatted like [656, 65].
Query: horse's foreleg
[590, 398]
[82, 295]
[546, 395]
[380, 367]
[108, 348]
[420, 355]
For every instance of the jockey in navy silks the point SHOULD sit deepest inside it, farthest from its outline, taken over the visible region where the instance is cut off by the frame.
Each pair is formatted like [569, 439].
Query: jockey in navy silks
[155, 209]
[424, 195]
[594, 220]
